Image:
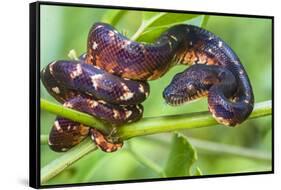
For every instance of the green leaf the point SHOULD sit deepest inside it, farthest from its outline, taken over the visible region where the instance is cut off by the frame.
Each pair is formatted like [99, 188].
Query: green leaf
[154, 30]
[172, 18]
[149, 36]
[147, 21]
[152, 23]
[182, 156]
[113, 16]
[148, 15]
[121, 20]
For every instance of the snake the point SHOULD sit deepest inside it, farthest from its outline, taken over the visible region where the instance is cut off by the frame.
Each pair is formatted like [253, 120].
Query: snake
[110, 81]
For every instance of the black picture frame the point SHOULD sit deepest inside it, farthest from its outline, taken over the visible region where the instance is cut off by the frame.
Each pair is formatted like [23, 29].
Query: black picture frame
[34, 98]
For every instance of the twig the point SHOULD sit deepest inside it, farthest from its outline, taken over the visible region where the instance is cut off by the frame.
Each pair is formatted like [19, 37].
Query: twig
[151, 125]
[72, 114]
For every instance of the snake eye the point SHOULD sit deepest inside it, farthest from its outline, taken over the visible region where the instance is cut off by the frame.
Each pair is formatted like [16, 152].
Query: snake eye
[190, 87]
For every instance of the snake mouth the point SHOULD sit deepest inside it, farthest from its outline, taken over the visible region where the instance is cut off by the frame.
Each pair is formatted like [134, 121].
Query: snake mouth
[176, 100]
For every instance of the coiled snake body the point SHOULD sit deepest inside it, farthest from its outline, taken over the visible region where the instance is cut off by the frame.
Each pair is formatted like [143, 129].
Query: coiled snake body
[109, 81]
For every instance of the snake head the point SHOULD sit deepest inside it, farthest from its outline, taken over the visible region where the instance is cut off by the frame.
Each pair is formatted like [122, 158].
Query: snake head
[181, 90]
[190, 84]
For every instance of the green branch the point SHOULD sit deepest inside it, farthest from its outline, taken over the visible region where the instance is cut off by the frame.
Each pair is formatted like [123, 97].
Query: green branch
[151, 125]
[72, 114]
[145, 126]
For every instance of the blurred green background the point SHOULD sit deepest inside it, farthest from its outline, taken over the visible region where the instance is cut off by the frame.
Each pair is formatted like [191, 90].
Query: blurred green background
[66, 28]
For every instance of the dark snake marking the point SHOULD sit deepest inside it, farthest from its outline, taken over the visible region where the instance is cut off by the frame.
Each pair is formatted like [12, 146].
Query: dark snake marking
[112, 59]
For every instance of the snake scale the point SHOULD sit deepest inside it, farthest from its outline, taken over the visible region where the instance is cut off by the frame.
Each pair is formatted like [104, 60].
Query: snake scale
[109, 81]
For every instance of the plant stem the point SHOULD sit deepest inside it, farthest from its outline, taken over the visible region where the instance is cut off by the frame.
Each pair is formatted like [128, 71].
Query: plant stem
[58, 165]
[73, 115]
[148, 126]
[152, 125]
